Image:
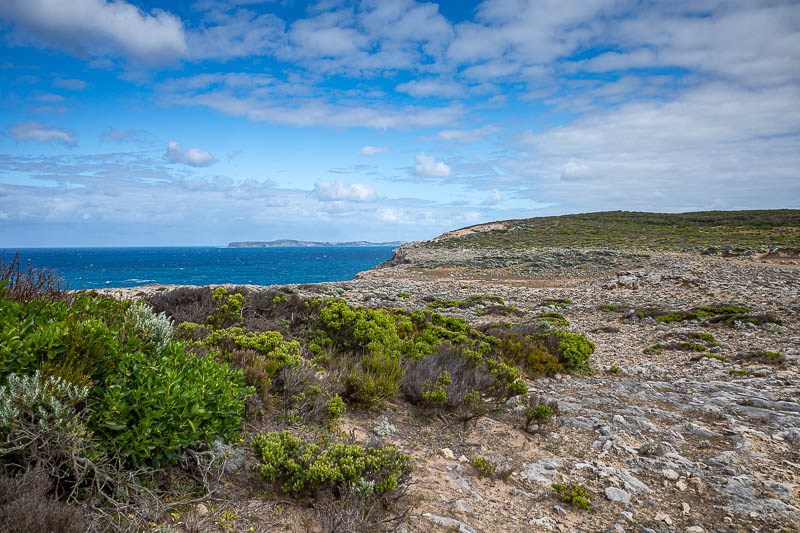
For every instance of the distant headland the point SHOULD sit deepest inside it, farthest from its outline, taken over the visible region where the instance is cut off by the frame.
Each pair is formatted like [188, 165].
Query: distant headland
[291, 242]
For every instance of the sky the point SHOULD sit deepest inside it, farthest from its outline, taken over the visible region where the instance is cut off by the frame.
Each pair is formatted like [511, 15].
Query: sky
[134, 123]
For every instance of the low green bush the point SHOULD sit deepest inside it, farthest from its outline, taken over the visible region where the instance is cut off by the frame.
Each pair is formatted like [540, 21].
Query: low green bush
[484, 467]
[554, 319]
[573, 494]
[151, 408]
[573, 349]
[304, 467]
[373, 379]
[228, 309]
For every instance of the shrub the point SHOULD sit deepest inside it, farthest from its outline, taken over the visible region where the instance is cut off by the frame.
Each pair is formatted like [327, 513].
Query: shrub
[373, 379]
[71, 340]
[554, 319]
[436, 394]
[184, 304]
[29, 284]
[528, 354]
[475, 379]
[26, 504]
[539, 411]
[155, 330]
[307, 398]
[303, 467]
[228, 309]
[151, 408]
[274, 310]
[573, 494]
[484, 466]
[572, 349]
[45, 402]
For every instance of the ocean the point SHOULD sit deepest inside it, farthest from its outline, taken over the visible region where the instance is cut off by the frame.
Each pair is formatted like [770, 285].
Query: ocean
[95, 268]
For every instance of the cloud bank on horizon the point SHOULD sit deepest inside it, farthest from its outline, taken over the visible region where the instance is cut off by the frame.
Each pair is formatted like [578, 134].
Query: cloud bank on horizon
[220, 120]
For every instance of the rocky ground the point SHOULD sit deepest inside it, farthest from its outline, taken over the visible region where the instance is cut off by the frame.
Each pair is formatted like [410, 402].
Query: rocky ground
[668, 440]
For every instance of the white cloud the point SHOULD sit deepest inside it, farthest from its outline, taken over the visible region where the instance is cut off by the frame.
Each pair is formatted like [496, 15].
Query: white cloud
[263, 99]
[573, 171]
[98, 28]
[428, 166]
[336, 191]
[467, 136]
[494, 198]
[431, 87]
[240, 34]
[36, 131]
[373, 150]
[733, 145]
[192, 157]
[72, 84]
[50, 98]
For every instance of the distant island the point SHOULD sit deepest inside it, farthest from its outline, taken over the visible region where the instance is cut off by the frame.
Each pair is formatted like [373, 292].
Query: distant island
[291, 242]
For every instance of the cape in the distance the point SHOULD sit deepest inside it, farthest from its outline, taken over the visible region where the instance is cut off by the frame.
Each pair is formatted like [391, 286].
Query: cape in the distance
[290, 242]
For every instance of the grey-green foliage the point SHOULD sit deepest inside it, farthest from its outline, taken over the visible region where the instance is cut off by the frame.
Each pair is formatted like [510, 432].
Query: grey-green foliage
[49, 402]
[153, 328]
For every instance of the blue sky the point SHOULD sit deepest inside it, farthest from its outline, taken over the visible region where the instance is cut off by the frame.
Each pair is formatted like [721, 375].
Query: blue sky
[199, 123]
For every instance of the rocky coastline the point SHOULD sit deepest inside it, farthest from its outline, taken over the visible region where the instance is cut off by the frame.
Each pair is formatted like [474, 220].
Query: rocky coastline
[661, 437]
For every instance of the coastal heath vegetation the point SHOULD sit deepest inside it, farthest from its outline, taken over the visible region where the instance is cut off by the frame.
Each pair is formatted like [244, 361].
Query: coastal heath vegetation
[116, 398]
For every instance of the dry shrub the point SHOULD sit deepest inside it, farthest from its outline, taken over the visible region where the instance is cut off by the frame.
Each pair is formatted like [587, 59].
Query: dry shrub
[29, 283]
[273, 310]
[351, 509]
[306, 394]
[27, 504]
[258, 371]
[468, 387]
[184, 304]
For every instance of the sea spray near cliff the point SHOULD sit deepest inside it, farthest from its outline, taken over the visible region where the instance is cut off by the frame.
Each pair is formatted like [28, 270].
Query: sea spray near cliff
[94, 268]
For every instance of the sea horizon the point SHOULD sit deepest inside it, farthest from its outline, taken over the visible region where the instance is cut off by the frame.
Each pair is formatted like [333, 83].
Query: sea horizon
[94, 267]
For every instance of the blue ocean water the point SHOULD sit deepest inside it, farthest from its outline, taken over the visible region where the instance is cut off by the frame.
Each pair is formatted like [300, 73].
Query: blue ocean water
[94, 268]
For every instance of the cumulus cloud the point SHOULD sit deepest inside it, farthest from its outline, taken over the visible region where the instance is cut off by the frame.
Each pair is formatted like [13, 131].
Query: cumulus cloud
[192, 157]
[338, 191]
[98, 28]
[573, 171]
[373, 150]
[427, 166]
[36, 131]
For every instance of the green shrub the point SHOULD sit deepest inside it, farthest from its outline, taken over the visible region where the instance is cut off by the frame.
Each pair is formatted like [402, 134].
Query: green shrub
[44, 402]
[529, 354]
[707, 337]
[155, 330]
[228, 309]
[436, 394]
[304, 467]
[152, 408]
[68, 340]
[554, 319]
[336, 407]
[716, 356]
[373, 379]
[573, 349]
[485, 467]
[573, 494]
[537, 409]
[691, 347]
[654, 350]
[724, 309]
